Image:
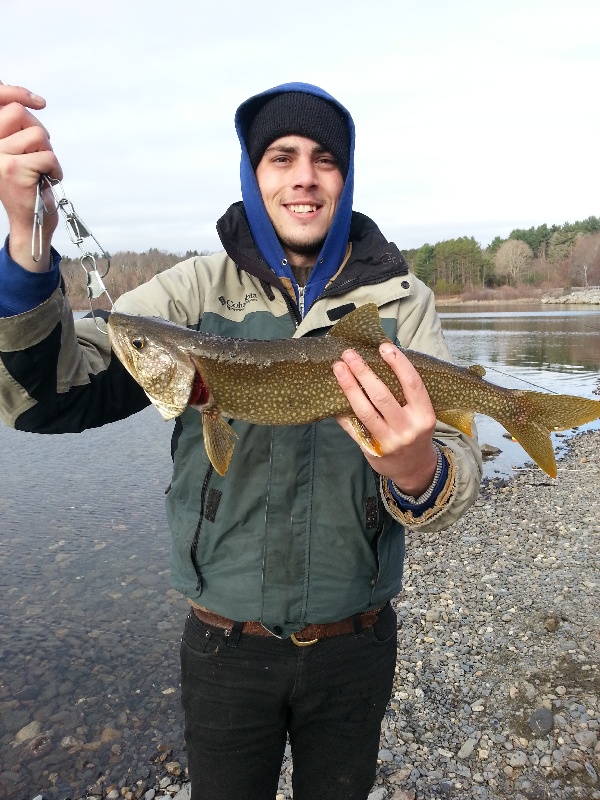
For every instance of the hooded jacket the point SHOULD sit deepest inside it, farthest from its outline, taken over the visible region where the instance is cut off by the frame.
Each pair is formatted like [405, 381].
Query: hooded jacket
[300, 530]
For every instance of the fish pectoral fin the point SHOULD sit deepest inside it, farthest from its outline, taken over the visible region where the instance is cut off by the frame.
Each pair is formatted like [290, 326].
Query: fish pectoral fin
[361, 326]
[459, 418]
[218, 440]
[366, 439]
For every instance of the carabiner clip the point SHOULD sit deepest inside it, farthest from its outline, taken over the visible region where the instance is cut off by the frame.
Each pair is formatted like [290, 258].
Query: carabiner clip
[39, 213]
[38, 225]
[95, 285]
[77, 230]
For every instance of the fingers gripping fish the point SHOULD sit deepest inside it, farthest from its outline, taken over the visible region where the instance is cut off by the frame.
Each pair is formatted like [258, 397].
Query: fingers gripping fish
[291, 382]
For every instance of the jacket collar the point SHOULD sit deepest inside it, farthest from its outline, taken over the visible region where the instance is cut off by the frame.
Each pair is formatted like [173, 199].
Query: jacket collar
[373, 258]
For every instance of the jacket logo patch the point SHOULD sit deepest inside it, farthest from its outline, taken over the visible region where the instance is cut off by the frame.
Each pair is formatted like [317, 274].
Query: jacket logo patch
[238, 305]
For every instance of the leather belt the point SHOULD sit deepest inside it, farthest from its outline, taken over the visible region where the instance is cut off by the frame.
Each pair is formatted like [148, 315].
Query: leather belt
[308, 635]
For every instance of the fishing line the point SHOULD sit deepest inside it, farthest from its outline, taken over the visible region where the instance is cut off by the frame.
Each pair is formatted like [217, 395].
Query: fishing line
[523, 380]
[530, 383]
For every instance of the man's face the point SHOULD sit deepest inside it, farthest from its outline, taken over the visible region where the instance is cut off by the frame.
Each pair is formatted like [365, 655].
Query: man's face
[300, 184]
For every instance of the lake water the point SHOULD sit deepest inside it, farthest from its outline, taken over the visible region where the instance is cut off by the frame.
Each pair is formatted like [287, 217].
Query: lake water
[549, 348]
[89, 628]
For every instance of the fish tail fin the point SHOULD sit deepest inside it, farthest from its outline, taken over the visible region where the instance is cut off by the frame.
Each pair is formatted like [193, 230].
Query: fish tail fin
[539, 414]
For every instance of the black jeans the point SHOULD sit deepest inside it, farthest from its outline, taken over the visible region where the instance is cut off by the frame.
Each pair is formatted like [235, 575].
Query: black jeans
[241, 700]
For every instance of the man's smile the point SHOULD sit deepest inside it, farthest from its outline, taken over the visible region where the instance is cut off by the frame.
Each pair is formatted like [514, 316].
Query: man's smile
[301, 208]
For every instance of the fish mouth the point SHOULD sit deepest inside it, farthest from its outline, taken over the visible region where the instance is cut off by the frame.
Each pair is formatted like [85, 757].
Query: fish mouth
[166, 411]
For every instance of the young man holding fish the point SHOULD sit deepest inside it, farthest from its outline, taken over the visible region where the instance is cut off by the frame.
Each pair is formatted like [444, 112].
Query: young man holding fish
[291, 554]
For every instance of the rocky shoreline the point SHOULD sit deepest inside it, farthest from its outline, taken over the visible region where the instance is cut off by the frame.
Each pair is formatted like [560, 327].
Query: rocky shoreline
[498, 680]
[587, 297]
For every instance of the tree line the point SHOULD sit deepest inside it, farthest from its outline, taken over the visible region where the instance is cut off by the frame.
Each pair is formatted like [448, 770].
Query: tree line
[544, 257]
[127, 270]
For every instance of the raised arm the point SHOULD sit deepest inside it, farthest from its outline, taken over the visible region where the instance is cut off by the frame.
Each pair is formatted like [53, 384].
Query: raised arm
[25, 154]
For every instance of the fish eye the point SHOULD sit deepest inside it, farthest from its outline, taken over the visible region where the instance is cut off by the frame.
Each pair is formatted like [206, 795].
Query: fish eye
[138, 342]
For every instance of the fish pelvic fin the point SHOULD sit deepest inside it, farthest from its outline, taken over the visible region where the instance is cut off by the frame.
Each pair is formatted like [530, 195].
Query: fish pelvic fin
[539, 414]
[361, 326]
[367, 441]
[218, 440]
[459, 418]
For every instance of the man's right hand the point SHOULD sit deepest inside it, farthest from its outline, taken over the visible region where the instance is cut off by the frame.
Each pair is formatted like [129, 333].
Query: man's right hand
[25, 154]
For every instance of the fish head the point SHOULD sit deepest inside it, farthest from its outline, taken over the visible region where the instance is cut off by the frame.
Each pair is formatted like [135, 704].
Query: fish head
[149, 350]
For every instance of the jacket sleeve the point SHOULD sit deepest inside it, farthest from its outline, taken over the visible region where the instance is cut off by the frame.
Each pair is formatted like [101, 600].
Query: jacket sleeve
[58, 375]
[21, 290]
[419, 328]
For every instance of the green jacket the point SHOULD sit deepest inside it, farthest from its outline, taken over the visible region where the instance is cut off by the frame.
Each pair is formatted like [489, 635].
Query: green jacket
[300, 529]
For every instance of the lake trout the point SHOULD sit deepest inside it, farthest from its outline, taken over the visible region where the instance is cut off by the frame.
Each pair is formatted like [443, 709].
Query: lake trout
[291, 382]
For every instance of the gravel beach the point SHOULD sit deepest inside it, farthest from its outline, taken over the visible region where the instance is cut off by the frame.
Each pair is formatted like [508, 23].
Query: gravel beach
[498, 678]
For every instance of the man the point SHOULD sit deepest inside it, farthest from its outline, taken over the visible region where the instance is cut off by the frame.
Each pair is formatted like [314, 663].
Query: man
[291, 559]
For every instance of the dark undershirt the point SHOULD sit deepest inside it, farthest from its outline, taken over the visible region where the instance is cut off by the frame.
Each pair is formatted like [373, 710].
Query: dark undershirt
[301, 274]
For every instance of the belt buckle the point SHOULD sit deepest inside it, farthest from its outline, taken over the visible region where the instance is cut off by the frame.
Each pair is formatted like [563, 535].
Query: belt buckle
[298, 643]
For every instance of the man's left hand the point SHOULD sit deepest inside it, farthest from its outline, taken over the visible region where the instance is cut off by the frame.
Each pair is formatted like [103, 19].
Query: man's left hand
[403, 431]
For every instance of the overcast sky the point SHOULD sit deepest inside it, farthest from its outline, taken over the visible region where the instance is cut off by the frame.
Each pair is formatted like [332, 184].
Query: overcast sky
[473, 117]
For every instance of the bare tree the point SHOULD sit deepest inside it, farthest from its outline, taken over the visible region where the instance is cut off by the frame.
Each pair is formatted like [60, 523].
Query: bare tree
[513, 260]
[584, 261]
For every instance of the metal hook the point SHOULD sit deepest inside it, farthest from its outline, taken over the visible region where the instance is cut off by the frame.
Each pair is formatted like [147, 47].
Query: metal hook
[77, 230]
[95, 285]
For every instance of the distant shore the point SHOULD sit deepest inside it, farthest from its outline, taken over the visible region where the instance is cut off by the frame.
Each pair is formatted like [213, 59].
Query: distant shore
[590, 296]
[494, 297]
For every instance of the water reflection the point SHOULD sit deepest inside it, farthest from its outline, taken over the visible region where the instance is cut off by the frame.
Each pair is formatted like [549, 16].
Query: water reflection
[554, 350]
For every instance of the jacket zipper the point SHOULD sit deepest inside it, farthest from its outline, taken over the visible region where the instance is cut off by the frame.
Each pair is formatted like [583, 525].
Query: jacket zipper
[380, 519]
[293, 309]
[194, 547]
[301, 301]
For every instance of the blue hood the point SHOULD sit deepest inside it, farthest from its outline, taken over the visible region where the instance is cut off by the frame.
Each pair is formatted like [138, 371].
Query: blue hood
[263, 233]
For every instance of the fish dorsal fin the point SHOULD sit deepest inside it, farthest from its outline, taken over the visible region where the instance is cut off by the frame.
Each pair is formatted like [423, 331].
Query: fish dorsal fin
[361, 326]
[477, 369]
